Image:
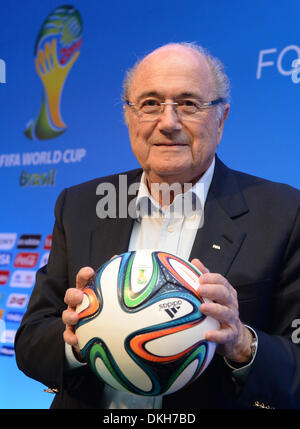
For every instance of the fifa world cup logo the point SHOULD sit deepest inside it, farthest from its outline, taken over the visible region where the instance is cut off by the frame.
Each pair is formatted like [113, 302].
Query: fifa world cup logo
[57, 49]
[141, 278]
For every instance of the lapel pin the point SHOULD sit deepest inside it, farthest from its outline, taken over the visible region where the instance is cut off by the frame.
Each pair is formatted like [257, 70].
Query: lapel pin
[216, 246]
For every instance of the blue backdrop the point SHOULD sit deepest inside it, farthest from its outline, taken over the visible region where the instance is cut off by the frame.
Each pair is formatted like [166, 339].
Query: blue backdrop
[257, 40]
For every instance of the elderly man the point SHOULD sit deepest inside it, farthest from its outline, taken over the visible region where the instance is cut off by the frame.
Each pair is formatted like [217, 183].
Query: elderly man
[247, 247]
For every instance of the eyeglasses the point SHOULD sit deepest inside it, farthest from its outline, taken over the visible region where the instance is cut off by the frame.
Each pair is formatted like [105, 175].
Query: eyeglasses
[151, 109]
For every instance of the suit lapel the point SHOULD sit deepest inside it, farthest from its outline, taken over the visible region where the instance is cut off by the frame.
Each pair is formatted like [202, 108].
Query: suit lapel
[219, 240]
[109, 239]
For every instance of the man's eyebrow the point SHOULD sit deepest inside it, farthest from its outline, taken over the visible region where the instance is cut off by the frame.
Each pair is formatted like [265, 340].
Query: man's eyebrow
[189, 95]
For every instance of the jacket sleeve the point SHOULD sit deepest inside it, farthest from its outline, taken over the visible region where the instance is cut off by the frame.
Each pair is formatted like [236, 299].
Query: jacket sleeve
[274, 379]
[39, 343]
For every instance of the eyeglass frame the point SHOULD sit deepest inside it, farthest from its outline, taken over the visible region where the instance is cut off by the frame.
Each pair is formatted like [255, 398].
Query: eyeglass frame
[204, 106]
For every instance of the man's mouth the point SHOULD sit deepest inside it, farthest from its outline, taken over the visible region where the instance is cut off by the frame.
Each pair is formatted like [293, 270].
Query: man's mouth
[169, 144]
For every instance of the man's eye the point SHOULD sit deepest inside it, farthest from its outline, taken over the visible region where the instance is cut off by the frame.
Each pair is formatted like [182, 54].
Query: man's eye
[150, 102]
[188, 103]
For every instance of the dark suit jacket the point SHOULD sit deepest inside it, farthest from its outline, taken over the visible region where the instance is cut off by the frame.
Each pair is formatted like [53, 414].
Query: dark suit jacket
[255, 222]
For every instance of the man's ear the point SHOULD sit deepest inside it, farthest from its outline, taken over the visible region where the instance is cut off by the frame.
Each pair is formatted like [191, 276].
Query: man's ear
[222, 121]
[125, 114]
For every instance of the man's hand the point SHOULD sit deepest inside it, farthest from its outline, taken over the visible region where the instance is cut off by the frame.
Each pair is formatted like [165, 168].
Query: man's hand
[233, 338]
[74, 297]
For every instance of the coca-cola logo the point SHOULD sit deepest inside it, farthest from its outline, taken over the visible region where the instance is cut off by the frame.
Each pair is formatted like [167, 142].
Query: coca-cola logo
[26, 260]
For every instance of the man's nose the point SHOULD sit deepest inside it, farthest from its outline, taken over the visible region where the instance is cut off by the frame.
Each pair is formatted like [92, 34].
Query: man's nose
[169, 122]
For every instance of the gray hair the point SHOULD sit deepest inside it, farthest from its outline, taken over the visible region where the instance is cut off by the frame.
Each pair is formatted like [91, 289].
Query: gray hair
[221, 80]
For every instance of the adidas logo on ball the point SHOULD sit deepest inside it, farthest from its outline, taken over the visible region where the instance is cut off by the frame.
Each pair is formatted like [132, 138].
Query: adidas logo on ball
[171, 308]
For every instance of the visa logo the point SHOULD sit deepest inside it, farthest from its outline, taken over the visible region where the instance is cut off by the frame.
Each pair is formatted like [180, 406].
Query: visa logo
[5, 259]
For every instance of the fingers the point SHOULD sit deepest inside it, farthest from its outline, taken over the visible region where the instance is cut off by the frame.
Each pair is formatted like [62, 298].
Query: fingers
[222, 336]
[221, 292]
[84, 275]
[70, 319]
[69, 336]
[113, 256]
[218, 311]
[221, 304]
[74, 297]
[229, 321]
[69, 316]
[198, 264]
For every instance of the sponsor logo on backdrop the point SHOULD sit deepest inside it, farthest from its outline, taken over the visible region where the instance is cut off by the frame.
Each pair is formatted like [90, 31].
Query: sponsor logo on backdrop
[2, 71]
[22, 278]
[8, 336]
[7, 240]
[14, 316]
[4, 275]
[5, 259]
[17, 300]
[284, 60]
[56, 50]
[7, 351]
[48, 242]
[44, 259]
[26, 260]
[29, 241]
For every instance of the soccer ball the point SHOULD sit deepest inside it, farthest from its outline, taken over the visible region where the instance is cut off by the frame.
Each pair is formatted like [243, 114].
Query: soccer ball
[140, 324]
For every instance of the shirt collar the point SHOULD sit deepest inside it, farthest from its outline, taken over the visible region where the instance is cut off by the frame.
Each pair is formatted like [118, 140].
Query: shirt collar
[146, 205]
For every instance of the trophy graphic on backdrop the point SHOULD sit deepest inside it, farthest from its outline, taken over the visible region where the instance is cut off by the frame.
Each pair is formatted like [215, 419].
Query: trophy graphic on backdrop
[57, 49]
